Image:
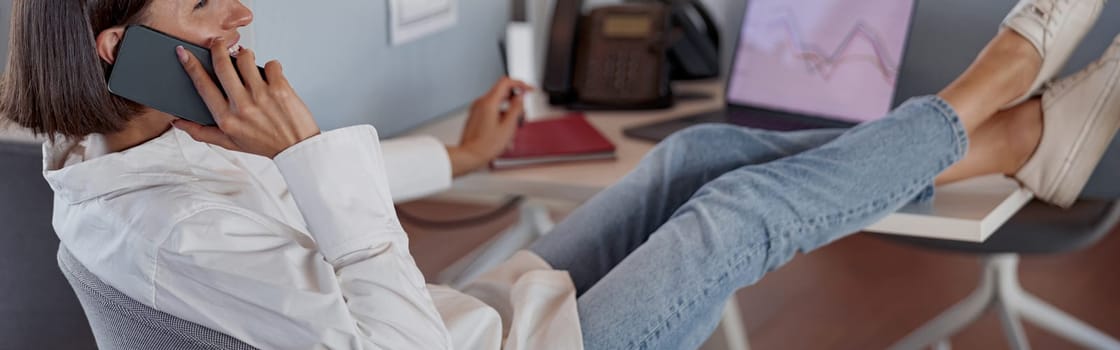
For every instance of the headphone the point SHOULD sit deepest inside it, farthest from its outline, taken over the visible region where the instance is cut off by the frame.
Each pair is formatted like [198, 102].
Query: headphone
[694, 53]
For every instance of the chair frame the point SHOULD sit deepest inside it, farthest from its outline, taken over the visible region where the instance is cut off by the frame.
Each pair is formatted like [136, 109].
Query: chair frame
[143, 327]
[1001, 292]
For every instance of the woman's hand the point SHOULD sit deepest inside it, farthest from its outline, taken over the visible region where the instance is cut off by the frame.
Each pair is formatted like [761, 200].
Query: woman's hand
[259, 117]
[489, 129]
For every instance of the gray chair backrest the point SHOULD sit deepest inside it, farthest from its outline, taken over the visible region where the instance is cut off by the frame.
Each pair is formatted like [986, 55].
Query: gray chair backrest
[37, 308]
[119, 322]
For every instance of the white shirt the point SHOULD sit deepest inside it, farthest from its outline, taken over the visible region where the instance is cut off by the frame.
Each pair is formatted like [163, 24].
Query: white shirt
[300, 252]
[416, 167]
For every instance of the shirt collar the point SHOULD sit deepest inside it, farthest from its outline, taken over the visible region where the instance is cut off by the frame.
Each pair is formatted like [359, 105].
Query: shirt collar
[81, 170]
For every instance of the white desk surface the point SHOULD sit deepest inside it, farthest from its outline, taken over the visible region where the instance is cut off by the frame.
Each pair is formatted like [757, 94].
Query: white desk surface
[969, 211]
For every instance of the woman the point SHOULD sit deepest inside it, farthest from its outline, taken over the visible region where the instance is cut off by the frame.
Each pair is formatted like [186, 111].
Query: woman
[284, 236]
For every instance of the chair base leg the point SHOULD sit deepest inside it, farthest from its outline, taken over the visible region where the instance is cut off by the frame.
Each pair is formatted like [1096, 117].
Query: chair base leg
[1060, 323]
[1000, 290]
[733, 326]
[731, 333]
[533, 223]
[938, 330]
[1012, 327]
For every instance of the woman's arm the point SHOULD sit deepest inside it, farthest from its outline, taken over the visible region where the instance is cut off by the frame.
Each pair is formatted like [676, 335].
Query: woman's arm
[270, 285]
[417, 166]
[420, 165]
[338, 181]
[490, 127]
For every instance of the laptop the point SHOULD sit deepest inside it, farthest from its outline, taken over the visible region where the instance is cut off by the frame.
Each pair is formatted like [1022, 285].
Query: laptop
[807, 64]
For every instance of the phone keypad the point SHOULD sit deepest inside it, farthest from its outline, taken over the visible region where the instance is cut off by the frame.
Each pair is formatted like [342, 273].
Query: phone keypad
[622, 71]
[618, 71]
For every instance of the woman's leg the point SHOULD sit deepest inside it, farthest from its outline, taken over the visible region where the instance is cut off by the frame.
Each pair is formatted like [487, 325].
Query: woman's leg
[1001, 72]
[667, 294]
[1000, 146]
[600, 233]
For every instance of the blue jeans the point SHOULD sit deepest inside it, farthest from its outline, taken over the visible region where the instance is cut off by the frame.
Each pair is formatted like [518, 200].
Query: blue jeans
[714, 208]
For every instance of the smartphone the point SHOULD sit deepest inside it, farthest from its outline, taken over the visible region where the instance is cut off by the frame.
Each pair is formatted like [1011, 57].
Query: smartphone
[147, 71]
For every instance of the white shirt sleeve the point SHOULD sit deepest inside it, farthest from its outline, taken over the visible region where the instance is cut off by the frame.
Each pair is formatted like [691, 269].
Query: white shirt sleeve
[417, 166]
[355, 286]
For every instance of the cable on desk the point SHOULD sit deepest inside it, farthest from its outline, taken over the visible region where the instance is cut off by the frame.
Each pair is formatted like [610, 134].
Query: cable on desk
[510, 205]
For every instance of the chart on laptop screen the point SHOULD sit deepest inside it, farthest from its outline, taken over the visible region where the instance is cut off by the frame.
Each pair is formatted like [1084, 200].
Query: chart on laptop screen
[825, 58]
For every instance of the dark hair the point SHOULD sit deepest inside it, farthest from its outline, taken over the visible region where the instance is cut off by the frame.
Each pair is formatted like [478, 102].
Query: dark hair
[55, 82]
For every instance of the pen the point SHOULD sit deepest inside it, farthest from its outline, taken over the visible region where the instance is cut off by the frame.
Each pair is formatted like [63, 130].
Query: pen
[505, 70]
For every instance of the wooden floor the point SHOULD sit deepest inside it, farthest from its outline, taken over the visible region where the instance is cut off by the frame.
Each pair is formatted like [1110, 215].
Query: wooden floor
[862, 292]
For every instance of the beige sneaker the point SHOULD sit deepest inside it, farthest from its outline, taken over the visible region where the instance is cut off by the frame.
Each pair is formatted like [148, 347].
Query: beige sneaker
[1055, 28]
[1080, 115]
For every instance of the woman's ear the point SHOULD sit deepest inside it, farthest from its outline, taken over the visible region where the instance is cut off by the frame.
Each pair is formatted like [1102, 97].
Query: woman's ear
[107, 42]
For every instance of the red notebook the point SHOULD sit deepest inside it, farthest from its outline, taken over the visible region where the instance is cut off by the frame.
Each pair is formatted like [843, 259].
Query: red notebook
[564, 139]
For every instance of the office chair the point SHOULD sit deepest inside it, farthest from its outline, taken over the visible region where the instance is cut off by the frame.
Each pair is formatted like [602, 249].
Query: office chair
[37, 308]
[119, 322]
[1037, 229]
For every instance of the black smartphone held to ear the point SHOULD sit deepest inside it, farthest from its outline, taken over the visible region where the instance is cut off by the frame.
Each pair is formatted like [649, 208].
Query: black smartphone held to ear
[147, 71]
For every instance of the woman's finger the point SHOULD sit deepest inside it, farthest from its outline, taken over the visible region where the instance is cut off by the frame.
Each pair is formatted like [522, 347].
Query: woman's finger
[207, 134]
[247, 65]
[274, 72]
[209, 91]
[227, 74]
[523, 86]
[500, 92]
[505, 89]
[515, 110]
[512, 85]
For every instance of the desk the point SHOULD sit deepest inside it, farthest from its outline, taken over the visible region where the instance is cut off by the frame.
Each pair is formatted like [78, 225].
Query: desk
[969, 211]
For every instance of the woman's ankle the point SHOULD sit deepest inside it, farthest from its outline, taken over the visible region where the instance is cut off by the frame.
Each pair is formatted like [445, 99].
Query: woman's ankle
[1001, 73]
[1022, 129]
[1022, 59]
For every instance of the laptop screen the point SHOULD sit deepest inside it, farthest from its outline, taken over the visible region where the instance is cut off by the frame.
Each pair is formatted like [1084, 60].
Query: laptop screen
[836, 59]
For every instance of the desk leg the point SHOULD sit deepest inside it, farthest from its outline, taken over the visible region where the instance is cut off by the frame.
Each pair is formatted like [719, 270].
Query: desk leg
[943, 345]
[731, 333]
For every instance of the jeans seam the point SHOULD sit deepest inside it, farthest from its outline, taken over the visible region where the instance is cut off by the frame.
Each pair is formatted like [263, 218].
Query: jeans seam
[838, 218]
[784, 232]
[736, 262]
[946, 111]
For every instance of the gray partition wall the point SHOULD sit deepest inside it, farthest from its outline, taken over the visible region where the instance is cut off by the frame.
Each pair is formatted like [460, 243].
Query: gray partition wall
[338, 56]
